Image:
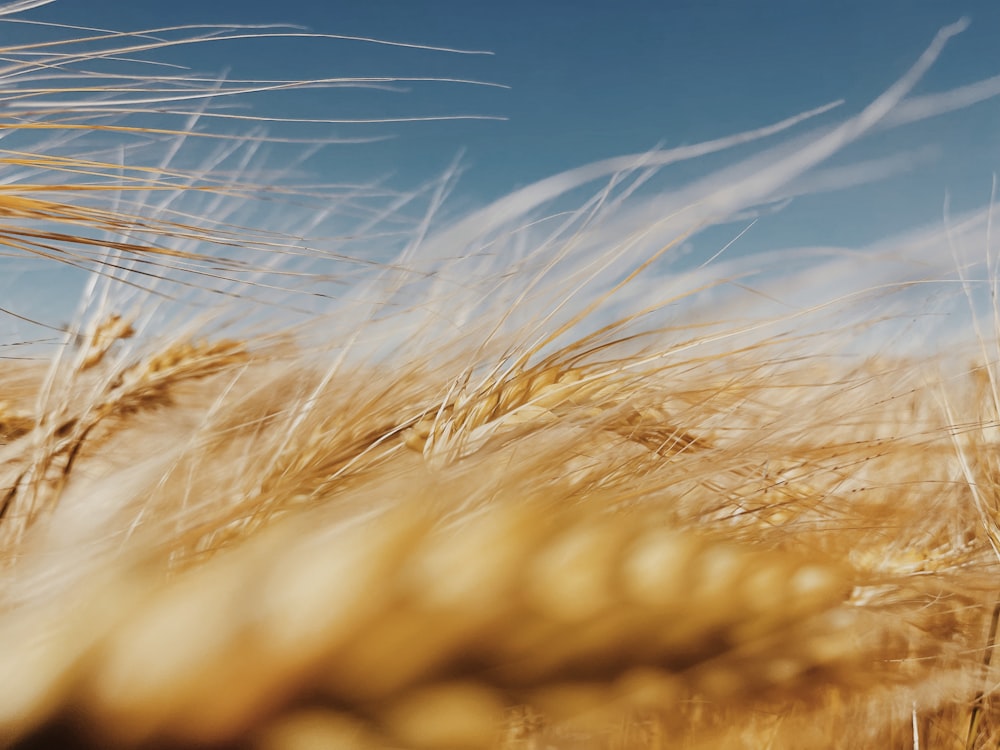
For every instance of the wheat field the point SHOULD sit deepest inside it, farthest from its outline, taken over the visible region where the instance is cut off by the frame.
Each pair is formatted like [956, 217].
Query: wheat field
[514, 486]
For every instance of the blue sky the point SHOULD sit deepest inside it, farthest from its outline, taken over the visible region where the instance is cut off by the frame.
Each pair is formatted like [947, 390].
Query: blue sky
[590, 80]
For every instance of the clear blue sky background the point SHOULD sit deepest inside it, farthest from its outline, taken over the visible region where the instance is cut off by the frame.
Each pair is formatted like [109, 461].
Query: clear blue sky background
[589, 80]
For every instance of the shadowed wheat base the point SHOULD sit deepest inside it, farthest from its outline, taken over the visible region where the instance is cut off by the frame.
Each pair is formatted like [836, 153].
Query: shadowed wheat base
[543, 537]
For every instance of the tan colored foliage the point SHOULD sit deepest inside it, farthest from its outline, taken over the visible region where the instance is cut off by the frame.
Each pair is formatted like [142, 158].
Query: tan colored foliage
[557, 534]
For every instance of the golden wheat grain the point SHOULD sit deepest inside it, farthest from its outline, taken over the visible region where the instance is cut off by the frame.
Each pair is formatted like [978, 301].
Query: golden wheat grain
[374, 614]
[554, 607]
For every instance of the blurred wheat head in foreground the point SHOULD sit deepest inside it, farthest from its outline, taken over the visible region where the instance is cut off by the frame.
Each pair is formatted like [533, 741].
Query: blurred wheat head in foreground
[509, 485]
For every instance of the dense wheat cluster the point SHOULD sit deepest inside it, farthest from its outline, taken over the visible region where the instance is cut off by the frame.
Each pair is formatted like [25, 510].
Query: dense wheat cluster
[517, 487]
